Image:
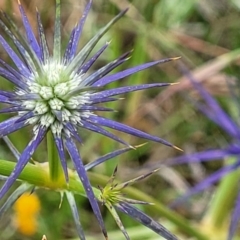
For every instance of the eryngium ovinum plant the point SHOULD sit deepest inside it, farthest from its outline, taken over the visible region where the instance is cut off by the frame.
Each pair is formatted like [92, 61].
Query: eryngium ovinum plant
[55, 93]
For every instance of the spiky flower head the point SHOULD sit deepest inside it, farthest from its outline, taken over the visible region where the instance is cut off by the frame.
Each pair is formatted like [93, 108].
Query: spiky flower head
[56, 95]
[213, 111]
[114, 199]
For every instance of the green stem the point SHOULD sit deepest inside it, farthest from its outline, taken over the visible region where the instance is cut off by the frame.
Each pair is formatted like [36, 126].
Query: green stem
[223, 199]
[55, 168]
[38, 175]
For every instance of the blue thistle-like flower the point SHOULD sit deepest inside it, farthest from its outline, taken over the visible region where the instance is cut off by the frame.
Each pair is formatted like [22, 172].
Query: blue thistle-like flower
[55, 93]
[210, 108]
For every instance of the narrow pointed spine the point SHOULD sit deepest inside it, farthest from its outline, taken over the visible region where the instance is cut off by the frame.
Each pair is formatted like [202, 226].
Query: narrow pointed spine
[57, 32]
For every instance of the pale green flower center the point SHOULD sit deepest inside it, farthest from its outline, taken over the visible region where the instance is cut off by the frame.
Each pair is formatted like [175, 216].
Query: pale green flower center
[53, 88]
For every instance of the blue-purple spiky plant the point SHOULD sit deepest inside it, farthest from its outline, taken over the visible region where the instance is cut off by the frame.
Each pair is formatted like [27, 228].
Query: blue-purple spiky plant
[55, 94]
[212, 110]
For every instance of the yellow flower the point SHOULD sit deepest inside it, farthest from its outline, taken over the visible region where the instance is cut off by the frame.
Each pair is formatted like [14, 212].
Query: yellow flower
[26, 210]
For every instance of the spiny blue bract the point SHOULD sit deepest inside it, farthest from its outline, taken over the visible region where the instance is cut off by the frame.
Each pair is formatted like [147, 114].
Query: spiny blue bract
[54, 93]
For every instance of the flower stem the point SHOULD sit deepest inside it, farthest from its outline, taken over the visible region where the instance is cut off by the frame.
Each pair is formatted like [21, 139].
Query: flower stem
[55, 168]
[223, 200]
[38, 175]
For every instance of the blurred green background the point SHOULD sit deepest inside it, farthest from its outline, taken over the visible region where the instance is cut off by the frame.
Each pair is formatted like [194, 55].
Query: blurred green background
[204, 33]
